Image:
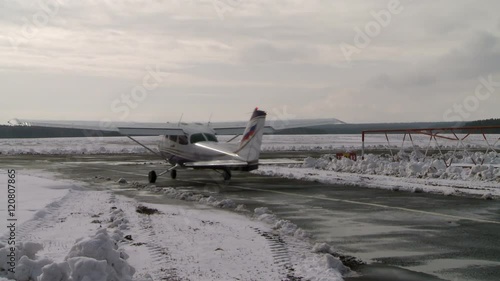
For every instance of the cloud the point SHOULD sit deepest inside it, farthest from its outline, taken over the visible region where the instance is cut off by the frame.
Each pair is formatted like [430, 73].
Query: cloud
[479, 55]
[266, 53]
[402, 81]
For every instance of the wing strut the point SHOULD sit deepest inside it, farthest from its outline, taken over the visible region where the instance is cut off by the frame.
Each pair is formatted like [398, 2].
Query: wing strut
[233, 138]
[152, 151]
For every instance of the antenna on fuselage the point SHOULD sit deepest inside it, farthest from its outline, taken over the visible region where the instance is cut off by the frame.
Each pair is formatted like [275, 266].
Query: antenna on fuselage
[180, 119]
[209, 120]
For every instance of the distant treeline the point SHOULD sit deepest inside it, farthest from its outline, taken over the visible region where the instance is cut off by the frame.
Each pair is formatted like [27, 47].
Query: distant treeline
[486, 122]
[358, 128]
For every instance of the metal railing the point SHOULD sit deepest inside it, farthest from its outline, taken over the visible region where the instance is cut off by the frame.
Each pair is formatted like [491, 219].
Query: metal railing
[457, 135]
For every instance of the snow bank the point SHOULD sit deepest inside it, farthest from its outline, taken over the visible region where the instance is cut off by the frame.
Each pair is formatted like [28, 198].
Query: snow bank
[28, 266]
[95, 251]
[95, 258]
[450, 186]
[414, 165]
[56, 271]
[190, 196]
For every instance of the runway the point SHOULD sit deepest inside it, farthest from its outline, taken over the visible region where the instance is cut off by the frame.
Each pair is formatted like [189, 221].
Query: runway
[402, 236]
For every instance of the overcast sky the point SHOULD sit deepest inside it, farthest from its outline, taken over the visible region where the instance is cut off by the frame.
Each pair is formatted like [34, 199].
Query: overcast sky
[151, 60]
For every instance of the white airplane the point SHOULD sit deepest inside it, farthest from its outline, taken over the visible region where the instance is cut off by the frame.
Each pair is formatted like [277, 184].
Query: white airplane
[197, 147]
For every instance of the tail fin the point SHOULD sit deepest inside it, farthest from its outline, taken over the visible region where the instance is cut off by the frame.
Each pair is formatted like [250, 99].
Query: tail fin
[249, 148]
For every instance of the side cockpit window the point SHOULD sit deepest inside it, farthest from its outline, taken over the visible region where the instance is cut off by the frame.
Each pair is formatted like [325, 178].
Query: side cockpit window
[178, 139]
[183, 140]
[197, 138]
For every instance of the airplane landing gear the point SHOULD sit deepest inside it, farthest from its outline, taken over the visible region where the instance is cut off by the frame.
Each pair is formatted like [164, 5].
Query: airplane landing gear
[226, 174]
[152, 177]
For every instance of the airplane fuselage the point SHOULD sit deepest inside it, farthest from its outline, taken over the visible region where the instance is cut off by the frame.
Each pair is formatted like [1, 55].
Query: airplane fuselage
[192, 147]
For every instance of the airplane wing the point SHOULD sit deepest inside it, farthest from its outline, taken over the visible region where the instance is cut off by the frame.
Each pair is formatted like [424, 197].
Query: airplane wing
[124, 128]
[82, 125]
[145, 131]
[238, 130]
[157, 128]
[173, 129]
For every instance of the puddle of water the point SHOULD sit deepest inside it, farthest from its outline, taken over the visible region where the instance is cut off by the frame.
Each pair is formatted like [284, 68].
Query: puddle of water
[390, 254]
[440, 265]
[378, 272]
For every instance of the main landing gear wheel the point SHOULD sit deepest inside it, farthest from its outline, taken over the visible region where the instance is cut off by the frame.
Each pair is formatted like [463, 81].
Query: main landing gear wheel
[152, 177]
[226, 174]
[173, 174]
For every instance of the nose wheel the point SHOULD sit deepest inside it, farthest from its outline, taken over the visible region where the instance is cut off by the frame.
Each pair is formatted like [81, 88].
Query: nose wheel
[152, 177]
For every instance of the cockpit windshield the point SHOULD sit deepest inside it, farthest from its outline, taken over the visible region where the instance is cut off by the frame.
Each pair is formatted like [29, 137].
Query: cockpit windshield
[210, 137]
[197, 138]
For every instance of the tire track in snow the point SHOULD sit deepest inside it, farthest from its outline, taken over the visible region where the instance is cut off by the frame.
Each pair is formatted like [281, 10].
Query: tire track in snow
[158, 253]
[280, 254]
[43, 219]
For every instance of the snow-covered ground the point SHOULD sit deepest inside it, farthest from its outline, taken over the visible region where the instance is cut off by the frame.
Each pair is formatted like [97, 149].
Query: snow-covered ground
[113, 145]
[34, 194]
[97, 145]
[82, 232]
[410, 172]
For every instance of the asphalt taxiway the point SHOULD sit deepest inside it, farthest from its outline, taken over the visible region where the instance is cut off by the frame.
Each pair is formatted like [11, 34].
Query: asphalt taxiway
[402, 236]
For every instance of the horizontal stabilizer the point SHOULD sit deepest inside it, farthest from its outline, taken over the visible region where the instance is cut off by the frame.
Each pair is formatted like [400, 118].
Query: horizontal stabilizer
[237, 163]
[279, 161]
[216, 163]
[224, 148]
